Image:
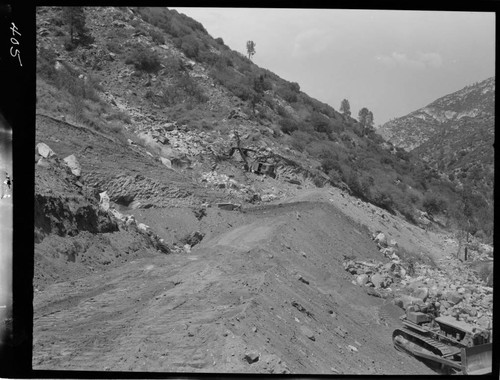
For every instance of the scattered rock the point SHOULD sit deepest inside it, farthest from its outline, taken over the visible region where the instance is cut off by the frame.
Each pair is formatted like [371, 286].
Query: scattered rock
[380, 280]
[393, 243]
[421, 293]
[302, 279]
[74, 165]
[381, 239]
[339, 330]
[44, 150]
[104, 201]
[362, 279]
[307, 332]
[252, 357]
[166, 162]
[352, 348]
[453, 297]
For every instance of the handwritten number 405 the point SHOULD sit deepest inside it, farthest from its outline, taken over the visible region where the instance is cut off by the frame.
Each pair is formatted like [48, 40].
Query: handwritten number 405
[14, 52]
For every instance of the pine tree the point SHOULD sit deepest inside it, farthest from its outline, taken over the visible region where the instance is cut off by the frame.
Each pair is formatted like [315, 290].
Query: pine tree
[250, 49]
[74, 17]
[362, 116]
[369, 119]
[345, 107]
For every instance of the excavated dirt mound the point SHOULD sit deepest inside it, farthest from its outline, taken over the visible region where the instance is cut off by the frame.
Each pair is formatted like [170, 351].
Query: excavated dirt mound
[268, 295]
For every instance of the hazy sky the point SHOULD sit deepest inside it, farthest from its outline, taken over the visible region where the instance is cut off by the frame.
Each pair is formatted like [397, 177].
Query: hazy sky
[392, 62]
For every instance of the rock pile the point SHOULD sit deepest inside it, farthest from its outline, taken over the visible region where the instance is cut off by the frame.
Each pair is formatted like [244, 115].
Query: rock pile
[457, 290]
[230, 185]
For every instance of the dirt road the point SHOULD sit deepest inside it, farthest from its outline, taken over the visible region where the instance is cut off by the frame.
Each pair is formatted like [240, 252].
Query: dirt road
[272, 285]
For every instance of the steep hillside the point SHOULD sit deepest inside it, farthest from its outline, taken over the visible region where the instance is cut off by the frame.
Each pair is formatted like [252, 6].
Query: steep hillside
[156, 78]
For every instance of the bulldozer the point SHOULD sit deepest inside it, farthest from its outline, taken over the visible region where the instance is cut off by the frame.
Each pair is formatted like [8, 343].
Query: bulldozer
[444, 343]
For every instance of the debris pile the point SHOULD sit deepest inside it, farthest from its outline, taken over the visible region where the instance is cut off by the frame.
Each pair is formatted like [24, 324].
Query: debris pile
[229, 185]
[457, 291]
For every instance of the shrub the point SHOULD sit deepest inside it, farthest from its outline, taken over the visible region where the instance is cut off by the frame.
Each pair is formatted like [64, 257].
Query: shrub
[121, 116]
[219, 40]
[318, 181]
[157, 37]
[189, 45]
[114, 47]
[335, 176]
[383, 198]
[69, 45]
[434, 204]
[288, 125]
[46, 61]
[300, 139]
[237, 85]
[329, 163]
[320, 123]
[143, 59]
[288, 94]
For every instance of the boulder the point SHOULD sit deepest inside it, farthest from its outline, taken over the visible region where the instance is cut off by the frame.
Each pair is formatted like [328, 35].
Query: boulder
[381, 239]
[251, 357]
[453, 297]
[168, 127]
[362, 279]
[422, 293]
[380, 280]
[104, 201]
[404, 301]
[143, 227]
[73, 164]
[166, 162]
[44, 150]
[390, 267]
[393, 243]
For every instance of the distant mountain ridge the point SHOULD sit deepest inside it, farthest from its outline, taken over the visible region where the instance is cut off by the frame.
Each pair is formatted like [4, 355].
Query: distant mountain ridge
[471, 104]
[454, 135]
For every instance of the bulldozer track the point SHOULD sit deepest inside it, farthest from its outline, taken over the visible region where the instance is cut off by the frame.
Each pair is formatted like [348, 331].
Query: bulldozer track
[432, 345]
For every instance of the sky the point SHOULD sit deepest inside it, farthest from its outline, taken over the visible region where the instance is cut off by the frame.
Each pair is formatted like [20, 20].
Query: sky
[392, 62]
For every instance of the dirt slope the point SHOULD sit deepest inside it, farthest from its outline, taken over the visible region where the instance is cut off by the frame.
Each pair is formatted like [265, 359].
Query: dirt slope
[272, 284]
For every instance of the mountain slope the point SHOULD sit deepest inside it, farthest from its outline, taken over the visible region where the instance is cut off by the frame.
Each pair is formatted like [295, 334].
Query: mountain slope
[466, 110]
[455, 136]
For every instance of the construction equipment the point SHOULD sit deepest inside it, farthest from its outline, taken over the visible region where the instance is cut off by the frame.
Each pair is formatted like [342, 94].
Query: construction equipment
[445, 343]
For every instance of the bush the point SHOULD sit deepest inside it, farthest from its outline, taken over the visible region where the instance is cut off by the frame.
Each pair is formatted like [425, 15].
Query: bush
[69, 45]
[288, 125]
[383, 198]
[287, 94]
[300, 139]
[46, 61]
[329, 163]
[157, 37]
[237, 85]
[185, 88]
[434, 204]
[219, 40]
[143, 59]
[114, 47]
[318, 181]
[189, 45]
[121, 116]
